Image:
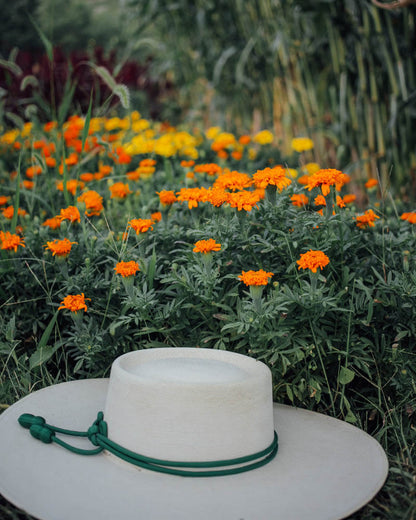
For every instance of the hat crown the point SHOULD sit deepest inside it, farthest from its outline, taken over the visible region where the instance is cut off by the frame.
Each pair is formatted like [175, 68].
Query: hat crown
[190, 404]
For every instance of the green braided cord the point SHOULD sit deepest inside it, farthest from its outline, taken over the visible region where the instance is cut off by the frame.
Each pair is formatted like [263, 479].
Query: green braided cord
[97, 434]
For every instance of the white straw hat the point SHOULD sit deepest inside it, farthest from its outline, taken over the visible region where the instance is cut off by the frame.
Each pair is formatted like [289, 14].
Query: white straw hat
[169, 410]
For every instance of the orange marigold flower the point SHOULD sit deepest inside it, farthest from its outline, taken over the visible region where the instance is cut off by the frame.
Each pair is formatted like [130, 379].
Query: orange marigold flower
[187, 164]
[206, 246]
[53, 223]
[348, 198]
[192, 196]
[320, 200]
[245, 200]
[74, 302]
[260, 277]
[237, 155]
[340, 202]
[304, 180]
[93, 202]
[275, 176]
[371, 183]
[141, 225]
[156, 216]
[326, 178]
[60, 248]
[4, 200]
[72, 185]
[50, 161]
[409, 216]
[50, 126]
[9, 212]
[71, 159]
[119, 190]
[244, 139]
[233, 181]
[366, 220]
[166, 197]
[299, 199]
[208, 168]
[312, 260]
[87, 177]
[217, 197]
[32, 171]
[10, 241]
[70, 213]
[127, 269]
[28, 184]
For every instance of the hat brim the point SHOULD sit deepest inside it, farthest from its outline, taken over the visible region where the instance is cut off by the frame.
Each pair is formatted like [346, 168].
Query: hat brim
[325, 469]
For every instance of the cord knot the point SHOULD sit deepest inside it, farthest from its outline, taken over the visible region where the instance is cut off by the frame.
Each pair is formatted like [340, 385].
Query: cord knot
[27, 420]
[42, 433]
[99, 427]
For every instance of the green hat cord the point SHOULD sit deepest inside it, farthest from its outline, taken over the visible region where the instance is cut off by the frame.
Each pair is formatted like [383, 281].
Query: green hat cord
[97, 435]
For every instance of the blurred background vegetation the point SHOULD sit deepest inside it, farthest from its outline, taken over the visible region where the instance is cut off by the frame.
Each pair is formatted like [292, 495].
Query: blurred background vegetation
[339, 71]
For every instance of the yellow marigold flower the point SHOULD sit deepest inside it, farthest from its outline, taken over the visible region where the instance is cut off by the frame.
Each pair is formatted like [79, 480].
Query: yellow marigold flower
[74, 302]
[140, 225]
[312, 260]
[166, 197]
[311, 168]
[126, 269]
[93, 202]
[223, 140]
[192, 196]
[60, 248]
[260, 277]
[206, 246]
[212, 132]
[299, 199]
[371, 183]
[234, 181]
[326, 178]
[119, 190]
[263, 137]
[366, 220]
[275, 176]
[70, 213]
[409, 216]
[10, 241]
[302, 144]
[53, 223]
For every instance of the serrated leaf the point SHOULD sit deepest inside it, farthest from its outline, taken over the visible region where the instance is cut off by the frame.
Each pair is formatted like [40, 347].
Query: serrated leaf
[345, 376]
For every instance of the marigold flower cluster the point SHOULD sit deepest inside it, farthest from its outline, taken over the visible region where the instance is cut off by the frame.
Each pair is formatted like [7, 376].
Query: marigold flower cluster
[313, 260]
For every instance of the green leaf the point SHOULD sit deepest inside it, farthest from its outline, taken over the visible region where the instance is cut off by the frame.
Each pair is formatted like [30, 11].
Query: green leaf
[41, 355]
[345, 376]
[47, 43]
